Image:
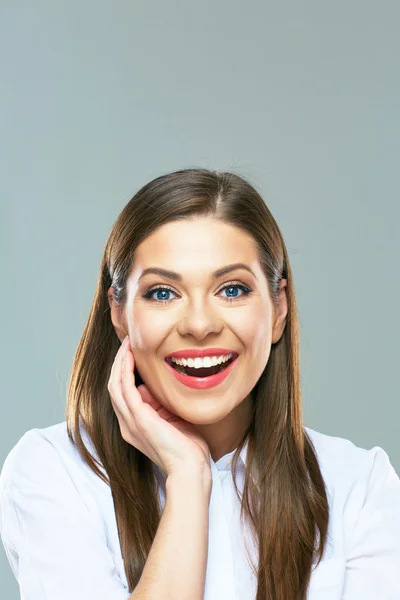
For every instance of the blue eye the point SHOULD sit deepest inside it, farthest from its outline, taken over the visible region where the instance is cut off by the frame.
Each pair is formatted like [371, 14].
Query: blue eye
[233, 287]
[162, 292]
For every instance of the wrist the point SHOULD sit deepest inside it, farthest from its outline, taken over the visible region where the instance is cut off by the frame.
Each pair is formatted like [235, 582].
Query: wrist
[184, 479]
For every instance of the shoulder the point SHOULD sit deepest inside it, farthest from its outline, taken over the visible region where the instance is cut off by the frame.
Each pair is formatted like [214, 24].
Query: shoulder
[49, 500]
[44, 455]
[341, 458]
[31, 450]
[344, 464]
[362, 487]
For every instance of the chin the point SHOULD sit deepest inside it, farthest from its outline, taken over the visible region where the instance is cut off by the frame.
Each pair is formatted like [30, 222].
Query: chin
[204, 415]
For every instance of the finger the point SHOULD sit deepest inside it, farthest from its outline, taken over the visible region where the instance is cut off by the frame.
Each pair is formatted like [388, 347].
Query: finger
[120, 407]
[125, 428]
[116, 366]
[145, 411]
[145, 415]
[148, 398]
[115, 373]
[130, 394]
[118, 413]
[115, 386]
[120, 356]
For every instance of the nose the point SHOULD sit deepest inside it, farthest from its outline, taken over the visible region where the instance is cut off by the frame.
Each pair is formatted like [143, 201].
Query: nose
[199, 320]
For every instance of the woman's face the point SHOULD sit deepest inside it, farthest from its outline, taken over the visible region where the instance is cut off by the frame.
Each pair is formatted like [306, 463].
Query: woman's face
[200, 311]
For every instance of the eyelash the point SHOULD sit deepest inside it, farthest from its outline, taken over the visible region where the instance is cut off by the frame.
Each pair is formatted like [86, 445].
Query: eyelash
[246, 292]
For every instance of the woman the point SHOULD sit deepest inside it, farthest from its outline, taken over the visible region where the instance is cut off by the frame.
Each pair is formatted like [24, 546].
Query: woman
[183, 469]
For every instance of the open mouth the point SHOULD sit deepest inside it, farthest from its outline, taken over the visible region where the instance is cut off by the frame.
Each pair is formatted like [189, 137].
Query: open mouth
[203, 371]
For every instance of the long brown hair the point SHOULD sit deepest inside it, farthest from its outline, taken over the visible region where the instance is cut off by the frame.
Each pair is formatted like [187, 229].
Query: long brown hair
[288, 510]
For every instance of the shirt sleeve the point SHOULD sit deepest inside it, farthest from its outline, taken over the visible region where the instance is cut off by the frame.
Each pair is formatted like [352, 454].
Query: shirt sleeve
[55, 546]
[373, 563]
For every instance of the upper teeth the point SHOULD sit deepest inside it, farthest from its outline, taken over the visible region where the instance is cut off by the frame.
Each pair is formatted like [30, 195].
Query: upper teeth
[199, 363]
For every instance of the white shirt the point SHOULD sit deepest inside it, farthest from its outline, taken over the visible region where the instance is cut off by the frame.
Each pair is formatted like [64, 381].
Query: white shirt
[58, 526]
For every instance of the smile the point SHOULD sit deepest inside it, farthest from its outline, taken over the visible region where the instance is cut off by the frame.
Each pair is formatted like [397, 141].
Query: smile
[204, 372]
[201, 367]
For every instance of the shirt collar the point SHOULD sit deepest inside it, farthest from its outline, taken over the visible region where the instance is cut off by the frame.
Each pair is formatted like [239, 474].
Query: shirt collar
[224, 463]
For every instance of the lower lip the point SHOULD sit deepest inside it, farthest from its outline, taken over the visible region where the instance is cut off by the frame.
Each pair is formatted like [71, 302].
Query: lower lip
[202, 383]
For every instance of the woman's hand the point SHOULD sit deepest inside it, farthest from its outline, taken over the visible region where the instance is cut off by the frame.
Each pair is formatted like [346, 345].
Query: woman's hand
[173, 444]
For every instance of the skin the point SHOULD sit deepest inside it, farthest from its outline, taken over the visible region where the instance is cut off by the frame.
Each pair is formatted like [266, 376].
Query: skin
[200, 315]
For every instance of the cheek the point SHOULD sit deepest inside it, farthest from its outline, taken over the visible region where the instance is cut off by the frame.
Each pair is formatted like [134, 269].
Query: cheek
[255, 329]
[256, 334]
[146, 329]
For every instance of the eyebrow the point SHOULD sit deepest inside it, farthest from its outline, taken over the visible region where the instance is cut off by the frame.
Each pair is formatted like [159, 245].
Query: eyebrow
[178, 277]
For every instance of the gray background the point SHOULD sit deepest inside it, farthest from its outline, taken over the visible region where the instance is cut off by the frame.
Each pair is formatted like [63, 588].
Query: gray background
[302, 98]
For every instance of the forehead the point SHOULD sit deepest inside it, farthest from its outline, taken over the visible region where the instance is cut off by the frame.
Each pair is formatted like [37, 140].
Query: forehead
[199, 243]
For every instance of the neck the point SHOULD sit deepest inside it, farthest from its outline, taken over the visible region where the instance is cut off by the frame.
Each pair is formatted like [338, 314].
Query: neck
[224, 436]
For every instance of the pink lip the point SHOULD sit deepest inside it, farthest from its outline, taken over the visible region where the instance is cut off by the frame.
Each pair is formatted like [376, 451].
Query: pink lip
[202, 383]
[194, 353]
